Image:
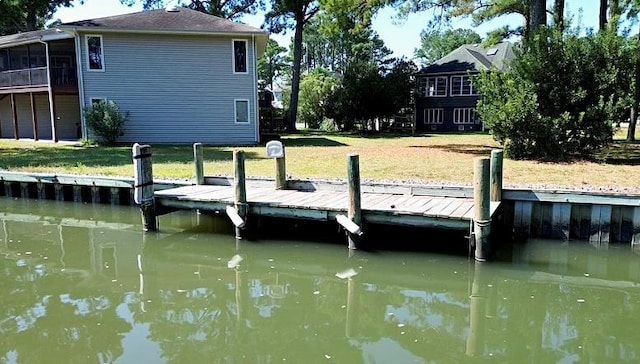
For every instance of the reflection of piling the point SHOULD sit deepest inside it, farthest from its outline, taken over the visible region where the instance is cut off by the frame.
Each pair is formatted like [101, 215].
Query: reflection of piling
[482, 211]
[477, 320]
[143, 188]
[238, 294]
[350, 307]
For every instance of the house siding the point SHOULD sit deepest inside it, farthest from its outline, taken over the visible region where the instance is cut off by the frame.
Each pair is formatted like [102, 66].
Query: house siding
[176, 89]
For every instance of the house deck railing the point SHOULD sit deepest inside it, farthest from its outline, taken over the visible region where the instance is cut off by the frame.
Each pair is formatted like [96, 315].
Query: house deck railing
[30, 77]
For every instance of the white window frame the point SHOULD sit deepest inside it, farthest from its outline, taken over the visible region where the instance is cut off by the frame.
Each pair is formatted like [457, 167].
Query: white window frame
[465, 116]
[246, 56]
[235, 111]
[102, 56]
[433, 113]
[427, 92]
[460, 92]
[93, 100]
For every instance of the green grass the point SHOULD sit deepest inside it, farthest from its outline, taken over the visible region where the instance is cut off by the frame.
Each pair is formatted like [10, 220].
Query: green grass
[431, 157]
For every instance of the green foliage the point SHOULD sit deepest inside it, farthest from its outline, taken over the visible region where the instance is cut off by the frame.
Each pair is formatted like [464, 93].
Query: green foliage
[25, 15]
[368, 92]
[106, 121]
[435, 43]
[273, 64]
[560, 98]
[314, 90]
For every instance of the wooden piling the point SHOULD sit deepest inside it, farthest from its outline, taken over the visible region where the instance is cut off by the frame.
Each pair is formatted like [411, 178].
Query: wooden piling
[42, 191]
[199, 163]
[240, 188]
[58, 192]
[281, 172]
[496, 175]
[77, 193]
[143, 186]
[114, 193]
[482, 211]
[560, 220]
[354, 212]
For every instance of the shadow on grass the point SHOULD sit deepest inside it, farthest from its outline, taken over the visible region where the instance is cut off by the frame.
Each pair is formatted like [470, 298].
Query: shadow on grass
[312, 142]
[104, 156]
[621, 152]
[471, 149]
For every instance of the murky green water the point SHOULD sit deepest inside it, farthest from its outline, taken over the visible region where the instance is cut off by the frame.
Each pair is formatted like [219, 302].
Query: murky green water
[82, 284]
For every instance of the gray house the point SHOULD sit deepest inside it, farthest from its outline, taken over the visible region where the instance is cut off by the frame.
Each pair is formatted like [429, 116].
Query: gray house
[183, 76]
[445, 95]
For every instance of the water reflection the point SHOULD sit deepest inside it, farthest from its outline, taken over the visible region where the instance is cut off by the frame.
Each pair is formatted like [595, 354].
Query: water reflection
[83, 284]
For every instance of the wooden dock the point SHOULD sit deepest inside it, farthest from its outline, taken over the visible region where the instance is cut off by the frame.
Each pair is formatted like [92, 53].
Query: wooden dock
[378, 208]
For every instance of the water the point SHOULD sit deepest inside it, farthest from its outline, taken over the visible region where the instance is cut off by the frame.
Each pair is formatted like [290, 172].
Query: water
[82, 284]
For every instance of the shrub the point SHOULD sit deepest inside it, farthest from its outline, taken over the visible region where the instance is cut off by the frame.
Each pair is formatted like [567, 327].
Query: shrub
[106, 121]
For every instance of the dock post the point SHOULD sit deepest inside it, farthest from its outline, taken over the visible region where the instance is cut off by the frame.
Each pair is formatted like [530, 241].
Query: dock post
[143, 186]
[496, 175]
[354, 212]
[199, 163]
[281, 172]
[240, 188]
[482, 210]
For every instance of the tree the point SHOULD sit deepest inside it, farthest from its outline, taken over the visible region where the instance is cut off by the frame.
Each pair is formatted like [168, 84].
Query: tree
[436, 43]
[273, 63]
[561, 97]
[287, 15]
[27, 15]
[314, 91]
[228, 9]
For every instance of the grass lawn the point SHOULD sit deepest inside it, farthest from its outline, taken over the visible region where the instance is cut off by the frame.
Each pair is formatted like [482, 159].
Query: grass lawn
[430, 157]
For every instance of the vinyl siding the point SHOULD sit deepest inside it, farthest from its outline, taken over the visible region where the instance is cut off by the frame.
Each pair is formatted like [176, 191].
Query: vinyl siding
[176, 89]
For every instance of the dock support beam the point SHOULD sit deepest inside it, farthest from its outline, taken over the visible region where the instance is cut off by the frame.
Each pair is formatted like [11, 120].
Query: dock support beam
[354, 211]
[281, 171]
[240, 188]
[143, 186]
[482, 211]
[496, 175]
[198, 160]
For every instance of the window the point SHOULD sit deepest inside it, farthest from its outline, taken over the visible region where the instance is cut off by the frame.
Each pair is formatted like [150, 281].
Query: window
[436, 86]
[433, 116]
[462, 86]
[242, 111]
[95, 54]
[97, 100]
[239, 56]
[465, 116]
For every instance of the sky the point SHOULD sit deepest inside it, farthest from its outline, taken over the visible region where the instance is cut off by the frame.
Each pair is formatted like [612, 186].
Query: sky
[402, 37]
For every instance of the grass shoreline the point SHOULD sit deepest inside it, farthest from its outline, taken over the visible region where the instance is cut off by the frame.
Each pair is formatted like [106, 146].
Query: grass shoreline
[425, 159]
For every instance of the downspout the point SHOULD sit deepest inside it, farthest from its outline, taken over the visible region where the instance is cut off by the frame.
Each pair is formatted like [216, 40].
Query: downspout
[256, 117]
[83, 124]
[54, 134]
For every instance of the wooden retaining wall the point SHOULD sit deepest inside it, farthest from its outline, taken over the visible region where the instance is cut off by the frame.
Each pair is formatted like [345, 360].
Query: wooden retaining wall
[601, 218]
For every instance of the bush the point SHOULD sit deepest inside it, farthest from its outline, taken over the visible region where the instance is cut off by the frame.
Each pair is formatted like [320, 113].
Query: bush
[106, 121]
[560, 97]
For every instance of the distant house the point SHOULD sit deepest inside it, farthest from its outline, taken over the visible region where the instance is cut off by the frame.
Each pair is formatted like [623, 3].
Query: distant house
[446, 97]
[182, 75]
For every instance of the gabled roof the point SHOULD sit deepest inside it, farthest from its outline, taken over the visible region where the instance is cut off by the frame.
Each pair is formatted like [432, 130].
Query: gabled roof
[180, 20]
[474, 58]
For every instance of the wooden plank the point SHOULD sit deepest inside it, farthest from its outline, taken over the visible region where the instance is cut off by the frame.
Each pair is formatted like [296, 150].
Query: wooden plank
[435, 209]
[399, 203]
[522, 217]
[34, 116]
[14, 115]
[378, 201]
[416, 220]
[574, 197]
[427, 206]
[560, 220]
[600, 224]
[446, 212]
[462, 210]
[635, 238]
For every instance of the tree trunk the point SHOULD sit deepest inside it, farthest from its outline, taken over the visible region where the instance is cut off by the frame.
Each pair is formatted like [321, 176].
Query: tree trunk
[603, 14]
[31, 19]
[558, 14]
[295, 79]
[631, 132]
[538, 12]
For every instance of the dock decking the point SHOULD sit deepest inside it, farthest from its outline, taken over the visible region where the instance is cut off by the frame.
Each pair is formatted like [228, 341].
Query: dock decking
[380, 208]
